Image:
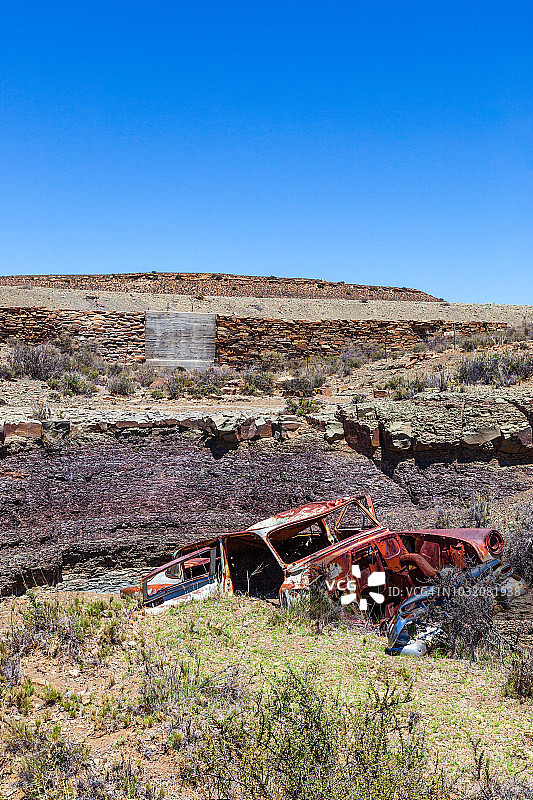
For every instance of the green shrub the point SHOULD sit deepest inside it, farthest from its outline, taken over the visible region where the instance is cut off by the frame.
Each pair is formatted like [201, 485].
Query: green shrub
[290, 741]
[179, 385]
[313, 606]
[258, 382]
[72, 383]
[48, 762]
[121, 384]
[50, 694]
[40, 410]
[7, 373]
[519, 679]
[301, 406]
[199, 384]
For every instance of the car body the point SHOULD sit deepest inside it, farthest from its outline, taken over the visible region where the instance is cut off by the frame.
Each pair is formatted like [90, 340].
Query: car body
[340, 542]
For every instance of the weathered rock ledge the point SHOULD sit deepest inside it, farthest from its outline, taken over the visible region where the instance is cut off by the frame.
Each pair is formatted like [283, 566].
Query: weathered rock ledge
[433, 425]
[229, 429]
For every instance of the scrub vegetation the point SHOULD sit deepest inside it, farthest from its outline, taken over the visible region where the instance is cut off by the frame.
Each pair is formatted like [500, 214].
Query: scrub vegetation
[233, 698]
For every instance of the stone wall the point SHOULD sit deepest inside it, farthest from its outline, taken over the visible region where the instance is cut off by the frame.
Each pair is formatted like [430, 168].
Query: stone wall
[244, 340]
[216, 284]
[118, 336]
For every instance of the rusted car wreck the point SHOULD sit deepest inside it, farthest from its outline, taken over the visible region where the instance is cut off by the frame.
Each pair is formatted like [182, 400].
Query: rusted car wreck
[368, 568]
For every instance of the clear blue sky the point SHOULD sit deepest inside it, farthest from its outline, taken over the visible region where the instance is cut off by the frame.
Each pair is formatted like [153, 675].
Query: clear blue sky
[372, 142]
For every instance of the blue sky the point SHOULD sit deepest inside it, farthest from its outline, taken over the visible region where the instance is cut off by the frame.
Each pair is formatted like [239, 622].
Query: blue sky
[384, 143]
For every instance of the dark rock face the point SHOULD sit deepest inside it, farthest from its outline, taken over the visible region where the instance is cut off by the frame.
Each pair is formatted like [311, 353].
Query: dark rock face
[133, 501]
[109, 503]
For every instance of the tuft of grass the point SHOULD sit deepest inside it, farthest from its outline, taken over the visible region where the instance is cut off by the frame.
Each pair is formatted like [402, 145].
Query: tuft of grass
[519, 679]
[50, 695]
[313, 607]
[478, 512]
[48, 761]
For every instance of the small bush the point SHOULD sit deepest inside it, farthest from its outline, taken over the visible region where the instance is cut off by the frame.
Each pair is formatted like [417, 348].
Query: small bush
[7, 372]
[199, 384]
[258, 383]
[40, 362]
[115, 368]
[305, 383]
[497, 369]
[466, 616]
[314, 606]
[272, 361]
[145, 375]
[40, 411]
[121, 384]
[72, 383]
[443, 518]
[88, 362]
[440, 379]
[478, 511]
[179, 385]
[348, 360]
[301, 406]
[518, 550]
[50, 695]
[48, 761]
[290, 741]
[157, 394]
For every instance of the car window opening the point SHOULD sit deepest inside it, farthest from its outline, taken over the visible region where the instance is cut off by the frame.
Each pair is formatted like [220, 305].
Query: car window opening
[253, 568]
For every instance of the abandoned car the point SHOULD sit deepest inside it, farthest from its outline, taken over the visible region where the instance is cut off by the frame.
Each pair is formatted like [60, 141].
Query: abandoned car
[365, 566]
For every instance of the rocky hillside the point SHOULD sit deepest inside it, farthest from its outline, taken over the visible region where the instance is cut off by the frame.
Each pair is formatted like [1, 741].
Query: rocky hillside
[216, 284]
